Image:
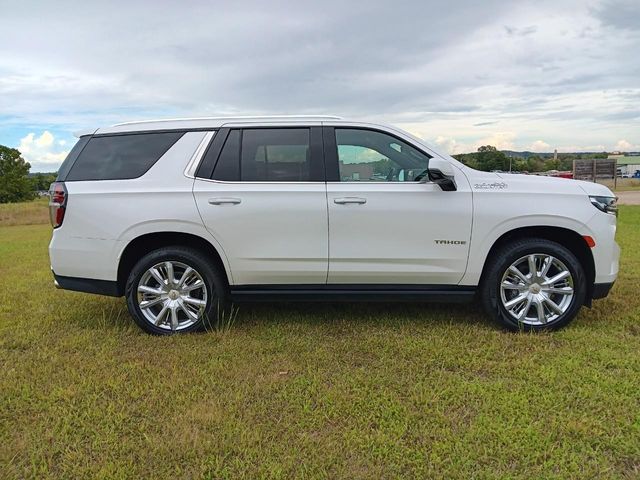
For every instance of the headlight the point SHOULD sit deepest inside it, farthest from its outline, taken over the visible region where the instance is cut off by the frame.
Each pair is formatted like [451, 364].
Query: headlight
[605, 204]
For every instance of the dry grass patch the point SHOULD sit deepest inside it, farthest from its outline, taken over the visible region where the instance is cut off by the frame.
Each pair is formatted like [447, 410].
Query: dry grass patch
[26, 213]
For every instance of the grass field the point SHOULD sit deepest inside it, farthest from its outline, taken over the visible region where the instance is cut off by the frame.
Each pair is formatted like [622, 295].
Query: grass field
[27, 213]
[622, 184]
[313, 391]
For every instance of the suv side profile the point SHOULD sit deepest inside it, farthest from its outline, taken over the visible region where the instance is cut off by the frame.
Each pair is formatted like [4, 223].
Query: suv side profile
[184, 216]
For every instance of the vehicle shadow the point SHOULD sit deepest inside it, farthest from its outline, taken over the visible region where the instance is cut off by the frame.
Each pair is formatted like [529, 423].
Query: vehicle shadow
[393, 313]
[112, 313]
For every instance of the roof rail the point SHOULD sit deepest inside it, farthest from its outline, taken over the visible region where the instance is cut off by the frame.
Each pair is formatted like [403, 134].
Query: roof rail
[231, 118]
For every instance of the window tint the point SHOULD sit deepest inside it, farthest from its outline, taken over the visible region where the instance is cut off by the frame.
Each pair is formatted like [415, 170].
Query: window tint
[370, 156]
[275, 155]
[71, 158]
[118, 157]
[228, 166]
[267, 155]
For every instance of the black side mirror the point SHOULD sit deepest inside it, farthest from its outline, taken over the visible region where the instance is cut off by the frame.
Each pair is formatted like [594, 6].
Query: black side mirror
[446, 183]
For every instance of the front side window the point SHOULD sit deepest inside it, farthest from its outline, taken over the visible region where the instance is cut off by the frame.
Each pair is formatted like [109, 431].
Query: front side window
[371, 156]
[265, 155]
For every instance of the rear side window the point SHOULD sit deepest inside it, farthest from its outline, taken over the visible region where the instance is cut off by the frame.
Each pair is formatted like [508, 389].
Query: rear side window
[119, 157]
[71, 158]
[228, 166]
[267, 155]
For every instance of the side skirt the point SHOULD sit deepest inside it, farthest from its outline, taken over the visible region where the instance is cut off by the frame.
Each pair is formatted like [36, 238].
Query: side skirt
[353, 293]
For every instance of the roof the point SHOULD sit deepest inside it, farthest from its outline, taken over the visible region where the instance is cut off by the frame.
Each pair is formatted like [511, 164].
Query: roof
[207, 123]
[628, 160]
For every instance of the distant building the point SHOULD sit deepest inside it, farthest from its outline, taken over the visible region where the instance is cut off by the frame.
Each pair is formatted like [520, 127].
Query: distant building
[627, 165]
[356, 171]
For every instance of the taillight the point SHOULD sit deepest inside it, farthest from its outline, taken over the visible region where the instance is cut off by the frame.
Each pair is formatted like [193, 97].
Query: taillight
[57, 203]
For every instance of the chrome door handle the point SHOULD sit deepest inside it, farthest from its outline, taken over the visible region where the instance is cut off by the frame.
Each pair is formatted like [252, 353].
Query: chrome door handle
[347, 200]
[224, 201]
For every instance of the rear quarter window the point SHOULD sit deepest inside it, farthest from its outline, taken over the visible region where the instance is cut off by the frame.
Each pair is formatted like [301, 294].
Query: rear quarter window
[120, 157]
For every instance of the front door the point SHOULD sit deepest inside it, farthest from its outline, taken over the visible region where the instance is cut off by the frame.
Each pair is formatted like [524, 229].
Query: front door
[264, 201]
[385, 225]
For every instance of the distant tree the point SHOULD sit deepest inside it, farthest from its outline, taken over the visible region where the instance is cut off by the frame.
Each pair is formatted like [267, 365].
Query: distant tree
[42, 181]
[15, 185]
[535, 164]
[468, 159]
[490, 158]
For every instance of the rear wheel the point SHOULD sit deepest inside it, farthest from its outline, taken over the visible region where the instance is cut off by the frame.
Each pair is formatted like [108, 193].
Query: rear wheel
[533, 284]
[175, 290]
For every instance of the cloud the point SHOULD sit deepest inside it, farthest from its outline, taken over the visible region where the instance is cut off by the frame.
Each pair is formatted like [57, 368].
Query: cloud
[500, 140]
[624, 146]
[521, 32]
[451, 146]
[565, 71]
[539, 146]
[42, 152]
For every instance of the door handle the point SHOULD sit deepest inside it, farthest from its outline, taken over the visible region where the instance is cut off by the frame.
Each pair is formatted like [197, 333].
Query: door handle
[224, 201]
[347, 200]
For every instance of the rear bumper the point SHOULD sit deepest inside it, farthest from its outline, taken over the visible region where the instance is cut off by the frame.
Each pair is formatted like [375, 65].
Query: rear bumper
[601, 290]
[87, 285]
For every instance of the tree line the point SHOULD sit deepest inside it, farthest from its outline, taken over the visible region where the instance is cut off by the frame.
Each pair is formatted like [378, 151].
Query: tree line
[16, 184]
[489, 158]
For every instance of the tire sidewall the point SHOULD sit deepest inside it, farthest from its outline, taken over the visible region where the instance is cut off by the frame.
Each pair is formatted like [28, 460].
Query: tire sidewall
[513, 252]
[216, 291]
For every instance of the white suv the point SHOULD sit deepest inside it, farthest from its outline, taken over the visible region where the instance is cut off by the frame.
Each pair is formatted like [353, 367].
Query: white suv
[185, 216]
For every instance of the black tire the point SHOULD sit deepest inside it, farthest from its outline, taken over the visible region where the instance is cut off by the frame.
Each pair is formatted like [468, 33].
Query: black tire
[503, 258]
[214, 281]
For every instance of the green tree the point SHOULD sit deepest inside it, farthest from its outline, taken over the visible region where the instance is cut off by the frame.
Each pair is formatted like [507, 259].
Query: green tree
[15, 185]
[42, 181]
[490, 158]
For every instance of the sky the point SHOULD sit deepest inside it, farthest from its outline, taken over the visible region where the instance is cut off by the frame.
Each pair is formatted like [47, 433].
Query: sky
[519, 75]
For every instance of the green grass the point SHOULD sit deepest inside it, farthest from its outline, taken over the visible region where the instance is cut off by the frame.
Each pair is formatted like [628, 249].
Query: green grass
[313, 391]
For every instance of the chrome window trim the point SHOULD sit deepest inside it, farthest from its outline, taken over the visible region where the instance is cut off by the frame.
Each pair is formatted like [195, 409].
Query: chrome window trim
[224, 182]
[313, 183]
[198, 154]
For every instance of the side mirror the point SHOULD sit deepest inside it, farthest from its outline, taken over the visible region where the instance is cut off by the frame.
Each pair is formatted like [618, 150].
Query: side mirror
[441, 173]
[446, 182]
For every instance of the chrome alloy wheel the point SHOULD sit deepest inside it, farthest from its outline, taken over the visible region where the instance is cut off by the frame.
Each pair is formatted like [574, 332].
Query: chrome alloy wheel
[536, 289]
[172, 295]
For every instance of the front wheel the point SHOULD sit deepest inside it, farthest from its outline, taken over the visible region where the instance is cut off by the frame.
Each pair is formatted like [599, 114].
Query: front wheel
[175, 289]
[533, 284]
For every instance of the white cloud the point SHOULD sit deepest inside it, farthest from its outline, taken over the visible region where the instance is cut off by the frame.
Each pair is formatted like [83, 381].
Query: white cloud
[539, 146]
[41, 152]
[500, 140]
[624, 146]
[450, 145]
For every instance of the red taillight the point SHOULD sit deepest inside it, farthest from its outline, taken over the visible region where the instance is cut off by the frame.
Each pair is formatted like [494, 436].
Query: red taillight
[57, 203]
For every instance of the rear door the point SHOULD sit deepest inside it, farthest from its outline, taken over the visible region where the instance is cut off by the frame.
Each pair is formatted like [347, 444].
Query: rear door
[385, 226]
[261, 194]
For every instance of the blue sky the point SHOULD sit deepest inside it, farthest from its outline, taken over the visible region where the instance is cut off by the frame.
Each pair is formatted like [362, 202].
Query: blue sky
[534, 75]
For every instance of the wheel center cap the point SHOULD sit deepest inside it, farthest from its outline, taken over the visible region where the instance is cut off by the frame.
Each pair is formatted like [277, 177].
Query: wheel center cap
[174, 294]
[535, 288]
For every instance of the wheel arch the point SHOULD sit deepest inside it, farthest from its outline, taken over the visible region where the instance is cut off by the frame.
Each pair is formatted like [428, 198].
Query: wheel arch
[566, 237]
[143, 244]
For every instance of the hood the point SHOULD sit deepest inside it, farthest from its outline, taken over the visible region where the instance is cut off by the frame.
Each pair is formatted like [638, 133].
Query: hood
[554, 184]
